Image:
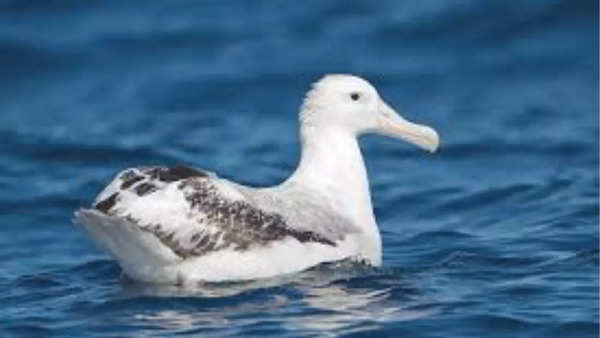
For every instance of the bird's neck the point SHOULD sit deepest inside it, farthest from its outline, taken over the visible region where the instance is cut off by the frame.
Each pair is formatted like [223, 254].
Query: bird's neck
[332, 166]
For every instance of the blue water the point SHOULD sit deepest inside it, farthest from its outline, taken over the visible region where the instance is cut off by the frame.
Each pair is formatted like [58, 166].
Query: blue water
[495, 236]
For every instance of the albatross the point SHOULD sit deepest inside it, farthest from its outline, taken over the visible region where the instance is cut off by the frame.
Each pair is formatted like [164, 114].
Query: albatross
[178, 225]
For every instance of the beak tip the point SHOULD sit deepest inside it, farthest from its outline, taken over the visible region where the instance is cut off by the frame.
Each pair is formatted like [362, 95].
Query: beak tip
[434, 144]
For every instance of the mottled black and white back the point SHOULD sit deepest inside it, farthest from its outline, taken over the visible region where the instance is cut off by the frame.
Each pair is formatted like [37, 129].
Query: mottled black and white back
[157, 218]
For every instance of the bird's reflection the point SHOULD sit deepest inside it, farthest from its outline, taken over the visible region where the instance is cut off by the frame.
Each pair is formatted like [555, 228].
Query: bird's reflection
[333, 298]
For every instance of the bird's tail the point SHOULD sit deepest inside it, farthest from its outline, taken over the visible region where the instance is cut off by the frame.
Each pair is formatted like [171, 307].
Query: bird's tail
[140, 254]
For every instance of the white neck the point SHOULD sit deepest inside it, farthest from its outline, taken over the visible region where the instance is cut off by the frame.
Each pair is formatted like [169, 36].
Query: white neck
[332, 165]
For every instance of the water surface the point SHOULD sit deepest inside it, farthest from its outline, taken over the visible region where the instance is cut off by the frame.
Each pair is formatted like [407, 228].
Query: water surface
[494, 236]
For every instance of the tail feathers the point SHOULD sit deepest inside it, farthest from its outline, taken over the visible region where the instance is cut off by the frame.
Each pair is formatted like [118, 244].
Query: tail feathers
[140, 254]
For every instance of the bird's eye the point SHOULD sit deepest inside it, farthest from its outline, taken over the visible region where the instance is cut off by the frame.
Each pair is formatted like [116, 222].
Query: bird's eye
[354, 96]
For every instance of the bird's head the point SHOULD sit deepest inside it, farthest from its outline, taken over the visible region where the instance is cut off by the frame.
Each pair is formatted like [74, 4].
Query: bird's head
[349, 103]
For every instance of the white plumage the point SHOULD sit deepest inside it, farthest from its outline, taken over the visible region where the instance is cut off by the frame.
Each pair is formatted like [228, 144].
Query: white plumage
[179, 225]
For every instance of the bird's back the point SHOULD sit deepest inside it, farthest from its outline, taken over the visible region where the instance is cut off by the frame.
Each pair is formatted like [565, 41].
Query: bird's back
[156, 218]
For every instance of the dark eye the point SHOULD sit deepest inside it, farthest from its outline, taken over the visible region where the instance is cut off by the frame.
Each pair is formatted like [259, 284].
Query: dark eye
[354, 96]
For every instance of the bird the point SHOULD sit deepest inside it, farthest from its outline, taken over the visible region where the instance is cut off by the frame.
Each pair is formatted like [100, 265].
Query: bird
[180, 225]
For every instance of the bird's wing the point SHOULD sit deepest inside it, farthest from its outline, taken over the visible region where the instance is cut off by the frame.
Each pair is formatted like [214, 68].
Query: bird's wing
[190, 212]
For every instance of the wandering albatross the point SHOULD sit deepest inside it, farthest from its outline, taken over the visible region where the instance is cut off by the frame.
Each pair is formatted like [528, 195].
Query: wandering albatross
[179, 225]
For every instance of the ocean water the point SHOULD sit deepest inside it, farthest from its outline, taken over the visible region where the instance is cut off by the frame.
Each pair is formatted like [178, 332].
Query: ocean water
[494, 236]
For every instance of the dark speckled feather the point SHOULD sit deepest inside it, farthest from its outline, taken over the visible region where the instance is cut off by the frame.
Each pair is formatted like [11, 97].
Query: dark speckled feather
[215, 221]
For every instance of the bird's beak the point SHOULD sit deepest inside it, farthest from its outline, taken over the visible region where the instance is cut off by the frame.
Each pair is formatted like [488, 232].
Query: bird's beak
[393, 125]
